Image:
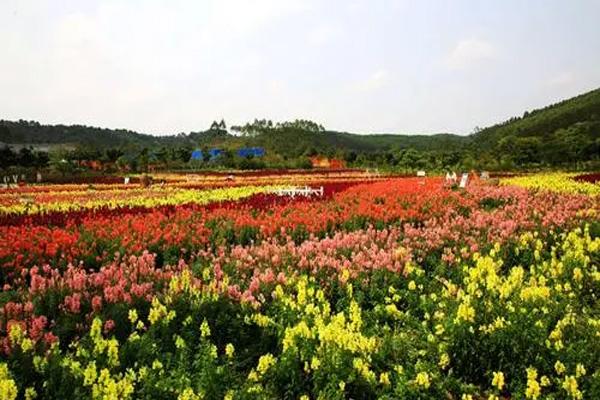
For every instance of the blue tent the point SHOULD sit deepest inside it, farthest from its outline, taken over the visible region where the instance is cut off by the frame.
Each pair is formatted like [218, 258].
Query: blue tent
[214, 153]
[251, 151]
[197, 155]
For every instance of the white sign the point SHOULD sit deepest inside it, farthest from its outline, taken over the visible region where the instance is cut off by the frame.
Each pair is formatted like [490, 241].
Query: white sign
[451, 177]
[126, 180]
[421, 173]
[299, 191]
[463, 180]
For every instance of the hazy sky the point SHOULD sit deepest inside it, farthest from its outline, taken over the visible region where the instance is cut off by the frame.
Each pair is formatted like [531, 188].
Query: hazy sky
[165, 67]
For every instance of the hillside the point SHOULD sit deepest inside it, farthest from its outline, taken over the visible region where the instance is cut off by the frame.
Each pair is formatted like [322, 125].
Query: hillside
[559, 134]
[545, 121]
[563, 133]
[286, 141]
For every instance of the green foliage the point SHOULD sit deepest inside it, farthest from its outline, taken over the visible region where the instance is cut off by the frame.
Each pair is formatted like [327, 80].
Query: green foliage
[434, 331]
[563, 134]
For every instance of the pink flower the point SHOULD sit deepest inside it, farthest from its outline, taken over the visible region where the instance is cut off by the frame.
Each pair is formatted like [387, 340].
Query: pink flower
[73, 303]
[97, 303]
[50, 338]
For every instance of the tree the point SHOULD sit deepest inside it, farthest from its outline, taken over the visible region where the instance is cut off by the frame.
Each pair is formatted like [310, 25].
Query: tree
[26, 157]
[8, 157]
[60, 161]
[143, 160]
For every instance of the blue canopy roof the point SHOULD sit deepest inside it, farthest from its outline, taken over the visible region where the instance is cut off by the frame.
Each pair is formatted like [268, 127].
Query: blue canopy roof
[215, 152]
[197, 155]
[251, 151]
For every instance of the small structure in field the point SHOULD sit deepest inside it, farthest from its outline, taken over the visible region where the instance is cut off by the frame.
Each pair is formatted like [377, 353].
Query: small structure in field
[325, 162]
[197, 155]
[305, 191]
[247, 152]
[451, 177]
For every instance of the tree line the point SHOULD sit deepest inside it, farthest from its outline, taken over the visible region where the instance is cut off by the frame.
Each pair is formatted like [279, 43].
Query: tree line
[562, 135]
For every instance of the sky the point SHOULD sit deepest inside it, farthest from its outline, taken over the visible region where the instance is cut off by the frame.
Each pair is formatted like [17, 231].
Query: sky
[373, 66]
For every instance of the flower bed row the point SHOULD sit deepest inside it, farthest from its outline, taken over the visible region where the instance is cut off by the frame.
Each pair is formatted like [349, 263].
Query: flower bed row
[487, 327]
[395, 289]
[558, 182]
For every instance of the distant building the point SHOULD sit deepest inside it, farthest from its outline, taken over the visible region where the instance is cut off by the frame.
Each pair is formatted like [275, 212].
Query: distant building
[251, 152]
[197, 155]
[214, 153]
[325, 162]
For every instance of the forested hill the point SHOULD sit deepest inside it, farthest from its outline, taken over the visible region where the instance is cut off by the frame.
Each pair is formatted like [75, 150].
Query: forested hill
[290, 139]
[32, 132]
[559, 134]
[544, 122]
[562, 133]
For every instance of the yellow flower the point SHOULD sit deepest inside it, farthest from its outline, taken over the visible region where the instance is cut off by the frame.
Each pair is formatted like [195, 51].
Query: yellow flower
[157, 365]
[580, 370]
[557, 182]
[228, 395]
[26, 344]
[229, 350]
[315, 363]
[157, 312]
[498, 380]
[204, 329]
[8, 387]
[133, 316]
[559, 367]
[392, 310]
[444, 360]
[264, 363]
[89, 374]
[544, 381]
[113, 387]
[188, 394]
[422, 380]
[30, 393]
[412, 285]
[571, 387]
[384, 378]
[465, 312]
[533, 389]
[16, 334]
[439, 329]
[179, 342]
[115, 197]
[364, 369]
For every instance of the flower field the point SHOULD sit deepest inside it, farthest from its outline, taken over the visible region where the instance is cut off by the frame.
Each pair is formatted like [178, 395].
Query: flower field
[384, 287]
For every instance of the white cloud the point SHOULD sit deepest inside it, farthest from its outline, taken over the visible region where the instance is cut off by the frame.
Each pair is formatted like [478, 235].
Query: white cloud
[325, 34]
[375, 81]
[563, 79]
[470, 52]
